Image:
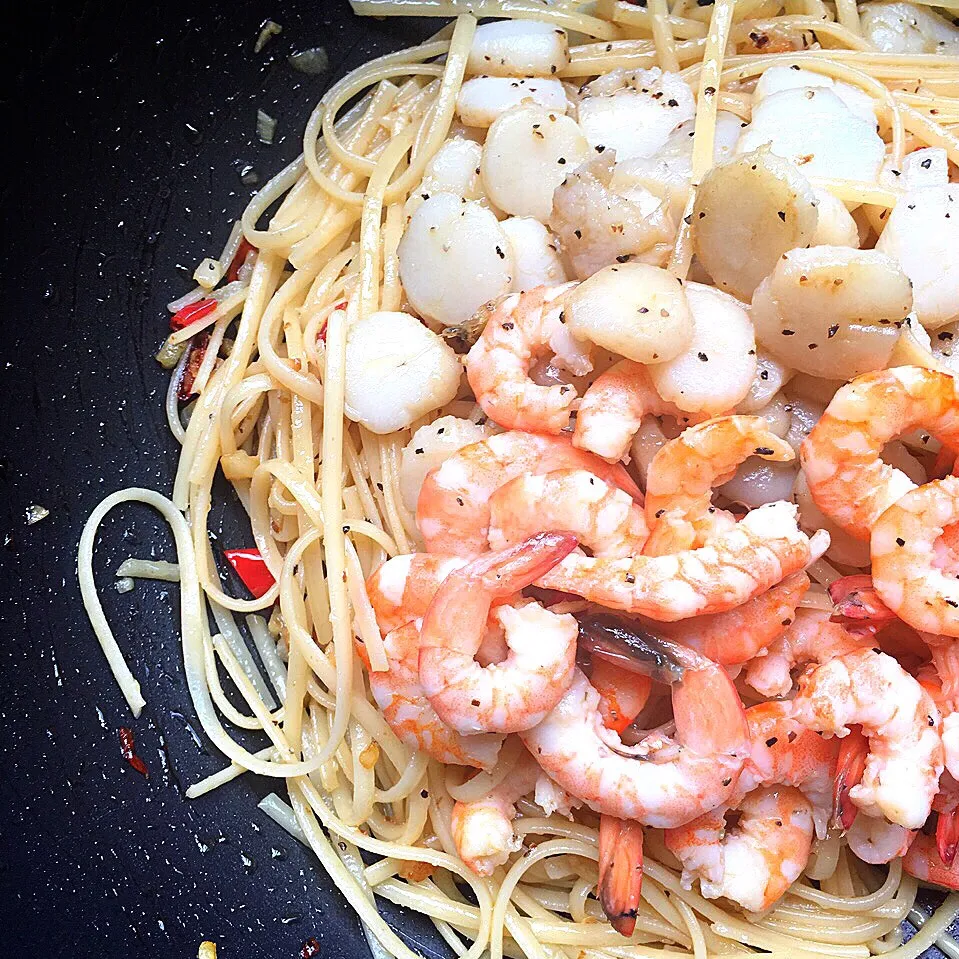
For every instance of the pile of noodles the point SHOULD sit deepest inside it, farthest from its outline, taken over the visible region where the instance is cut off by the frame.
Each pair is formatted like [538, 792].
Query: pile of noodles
[325, 509]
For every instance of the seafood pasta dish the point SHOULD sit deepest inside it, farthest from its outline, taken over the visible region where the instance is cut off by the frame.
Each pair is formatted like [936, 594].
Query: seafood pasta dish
[588, 383]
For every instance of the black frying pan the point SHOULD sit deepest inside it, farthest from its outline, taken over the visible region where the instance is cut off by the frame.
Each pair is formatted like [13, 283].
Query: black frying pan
[124, 127]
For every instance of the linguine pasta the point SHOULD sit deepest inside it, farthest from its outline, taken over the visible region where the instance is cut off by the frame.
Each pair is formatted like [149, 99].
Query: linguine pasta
[325, 505]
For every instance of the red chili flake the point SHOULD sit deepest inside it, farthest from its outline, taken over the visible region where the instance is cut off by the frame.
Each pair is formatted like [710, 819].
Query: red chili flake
[128, 751]
[339, 306]
[310, 948]
[198, 347]
[250, 566]
[191, 313]
[239, 258]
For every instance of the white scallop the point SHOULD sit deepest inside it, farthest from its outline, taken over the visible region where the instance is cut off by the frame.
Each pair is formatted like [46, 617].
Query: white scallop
[637, 120]
[483, 99]
[777, 79]
[716, 370]
[668, 174]
[536, 261]
[453, 258]
[816, 130]
[518, 48]
[907, 28]
[922, 233]
[771, 376]
[454, 168]
[835, 225]
[397, 370]
[634, 310]
[430, 447]
[527, 154]
[928, 166]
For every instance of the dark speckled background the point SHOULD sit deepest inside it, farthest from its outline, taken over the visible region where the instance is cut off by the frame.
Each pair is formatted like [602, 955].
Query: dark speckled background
[125, 126]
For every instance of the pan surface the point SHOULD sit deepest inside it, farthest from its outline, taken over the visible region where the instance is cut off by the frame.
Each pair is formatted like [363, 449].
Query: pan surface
[126, 128]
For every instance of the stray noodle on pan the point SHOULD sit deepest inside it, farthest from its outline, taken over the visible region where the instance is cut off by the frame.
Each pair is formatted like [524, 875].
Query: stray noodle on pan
[589, 384]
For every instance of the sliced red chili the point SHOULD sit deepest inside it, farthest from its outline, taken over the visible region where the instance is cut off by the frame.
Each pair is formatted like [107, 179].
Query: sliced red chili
[239, 258]
[128, 751]
[250, 566]
[198, 347]
[191, 313]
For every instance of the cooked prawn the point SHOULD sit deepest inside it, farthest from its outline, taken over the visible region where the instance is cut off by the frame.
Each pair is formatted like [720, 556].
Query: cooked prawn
[483, 828]
[402, 588]
[400, 697]
[784, 752]
[741, 633]
[602, 517]
[811, 638]
[842, 456]
[682, 475]
[941, 681]
[453, 511]
[898, 717]
[521, 328]
[516, 693]
[905, 571]
[877, 840]
[787, 761]
[660, 782]
[757, 860]
[757, 553]
[612, 410]
[924, 862]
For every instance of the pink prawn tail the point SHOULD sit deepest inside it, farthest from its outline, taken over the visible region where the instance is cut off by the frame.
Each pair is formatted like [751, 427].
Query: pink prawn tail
[922, 861]
[853, 751]
[620, 871]
[856, 603]
[512, 569]
[622, 694]
[619, 476]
